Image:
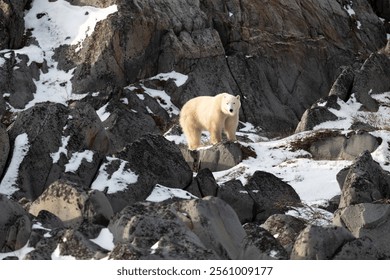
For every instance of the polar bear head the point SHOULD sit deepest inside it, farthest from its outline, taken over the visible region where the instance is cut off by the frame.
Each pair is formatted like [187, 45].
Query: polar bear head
[230, 104]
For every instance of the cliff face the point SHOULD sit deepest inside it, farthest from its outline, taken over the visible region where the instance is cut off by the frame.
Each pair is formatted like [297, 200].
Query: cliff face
[89, 142]
[280, 56]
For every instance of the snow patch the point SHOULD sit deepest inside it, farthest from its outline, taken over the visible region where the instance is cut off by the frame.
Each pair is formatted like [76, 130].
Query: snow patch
[76, 159]
[61, 150]
[102, 113]
[179, 79]
[105, 239]
[161, 193]
[9, 185]
[118, 181]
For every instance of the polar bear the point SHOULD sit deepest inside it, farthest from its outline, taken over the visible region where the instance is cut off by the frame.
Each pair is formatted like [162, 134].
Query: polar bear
[212, 113]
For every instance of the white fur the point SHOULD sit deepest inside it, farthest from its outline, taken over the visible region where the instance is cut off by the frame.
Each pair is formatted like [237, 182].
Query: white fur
[212, 113]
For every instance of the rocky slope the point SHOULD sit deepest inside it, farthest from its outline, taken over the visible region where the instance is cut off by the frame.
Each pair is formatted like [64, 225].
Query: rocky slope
[91, 150]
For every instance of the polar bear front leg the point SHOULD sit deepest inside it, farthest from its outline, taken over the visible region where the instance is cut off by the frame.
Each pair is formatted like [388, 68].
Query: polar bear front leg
[231, 125]
[215, 134]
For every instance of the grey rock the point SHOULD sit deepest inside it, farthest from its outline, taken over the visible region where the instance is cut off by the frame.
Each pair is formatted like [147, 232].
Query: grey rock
[365, 181]
[63, 199]
[218, 227]
[372, 78]
[318, 114]
[12, 24]
[98, 209]
[344, 147]
[57, 136]
[359, 249]
[219, 52]
[343, 84]
[367, 220]
[271, 195]
[285, 229]
[381, 8]
[320, 243]
[75, 244]
[206, 183]
[153, 160]
[125, 125]
[141, 226]
[234, 193]
[4, 148]
[15, 225]
[265, 242]
[218, 157]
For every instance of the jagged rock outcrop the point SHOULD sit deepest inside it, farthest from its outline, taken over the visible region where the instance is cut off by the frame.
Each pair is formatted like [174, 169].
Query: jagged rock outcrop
[226, 46]
[15, 225]
[364, 182]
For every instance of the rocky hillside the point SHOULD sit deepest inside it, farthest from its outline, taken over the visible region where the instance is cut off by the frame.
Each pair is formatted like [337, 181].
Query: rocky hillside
[93, 164]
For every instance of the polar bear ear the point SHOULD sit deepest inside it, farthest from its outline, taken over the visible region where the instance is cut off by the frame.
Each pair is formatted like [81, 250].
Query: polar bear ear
[238, 97]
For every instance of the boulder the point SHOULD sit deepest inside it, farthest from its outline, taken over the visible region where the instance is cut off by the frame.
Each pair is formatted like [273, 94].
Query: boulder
[265, 242]
[318, 113]
[75, 244]
[343, 84]
[234, 194]
[12, 24]
[372, 78]
[285, 229]
[367, 220]
[271, 195]
[218, 157]
[63, 199]
[4, 148]
[204, 184]
[218, 228]
[155, 231]
[131, 174]
[334, 145]
[359, 249]
[55, 142]
[365, 181]
[15, 225]
[344, 147]
[320, 243]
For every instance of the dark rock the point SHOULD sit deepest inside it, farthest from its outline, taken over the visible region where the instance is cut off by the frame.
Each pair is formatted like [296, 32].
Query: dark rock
[4, 148]
[74, 244]
[206, 183]
[63, 199]
[265, 242]
[218, 157]
[319, 113]
[56, 139]
[271, 195]
[49, 220]
[154, 160]
[125, 125]
[220, 52]
[142, 226]
[359, 249]
[381, 8]
[98, 209]
[234, 194]
[320, 243]
[45, 246]
[342, 87]
[367, 220]
[365, 181]
[285, 229]
[15, 225]
[372, 78]
[218, 227]
[12, 23]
